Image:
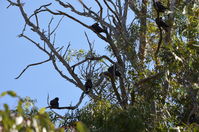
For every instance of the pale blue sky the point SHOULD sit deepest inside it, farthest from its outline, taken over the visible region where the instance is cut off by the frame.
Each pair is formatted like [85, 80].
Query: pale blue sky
[16, 53]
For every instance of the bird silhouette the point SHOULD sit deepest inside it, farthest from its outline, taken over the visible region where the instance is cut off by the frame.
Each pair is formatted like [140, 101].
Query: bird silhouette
[88, 85]
[113, 70]
[97, 28]
[54, 103]
[162, 24]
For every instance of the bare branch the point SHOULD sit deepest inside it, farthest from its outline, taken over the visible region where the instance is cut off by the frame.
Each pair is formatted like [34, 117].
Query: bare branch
[37, 44]
[108, 39]
[89, 9]
[12, 3]
[37, 21]
[49, 24]
[34, 64]
[54, 37]
[53, 50]
[38, 11]
[89, 13]
[60, 72]
[93, 58]
[101, 9]
[57, 25]
[66, 50]
[50, 45]
[65, 14]
[73, 9]
[72, 107]
[80, 22]
[115, 14]
[59, 49]
[46, 5]
[90, 45]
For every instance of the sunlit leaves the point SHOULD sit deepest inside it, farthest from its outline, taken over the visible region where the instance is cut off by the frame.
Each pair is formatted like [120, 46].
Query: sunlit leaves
[72, 55]
[18, 120]
[42, 110]
[11, 93]
[81, 127]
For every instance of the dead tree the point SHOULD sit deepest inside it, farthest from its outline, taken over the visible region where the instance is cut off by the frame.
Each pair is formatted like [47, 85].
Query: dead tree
[112, 19]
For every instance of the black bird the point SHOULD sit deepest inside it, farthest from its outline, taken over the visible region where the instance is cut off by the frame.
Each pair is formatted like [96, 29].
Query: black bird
[88, 85]
[97, 28]
[54, 103]
[159, 7]
[113, 69]
[162, 24]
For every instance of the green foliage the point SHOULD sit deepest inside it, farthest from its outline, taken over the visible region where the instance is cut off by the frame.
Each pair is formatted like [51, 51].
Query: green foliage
[11, 93]
[81, 127]
[102, 116]
[24, 121]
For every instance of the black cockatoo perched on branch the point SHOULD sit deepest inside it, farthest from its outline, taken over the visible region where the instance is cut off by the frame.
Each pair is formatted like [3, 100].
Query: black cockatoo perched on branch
[54, 103]
[97, 28]
[162, 24]
[88, 85]
[113, 70]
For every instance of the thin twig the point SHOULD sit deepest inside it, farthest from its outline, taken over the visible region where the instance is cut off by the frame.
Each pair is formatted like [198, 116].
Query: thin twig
[37, 21]
[49, 24]
[90, 44]
[57, 25]
[93, 58]
[12, 3]
[66, 50]
[115, 14]
[101, 9]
